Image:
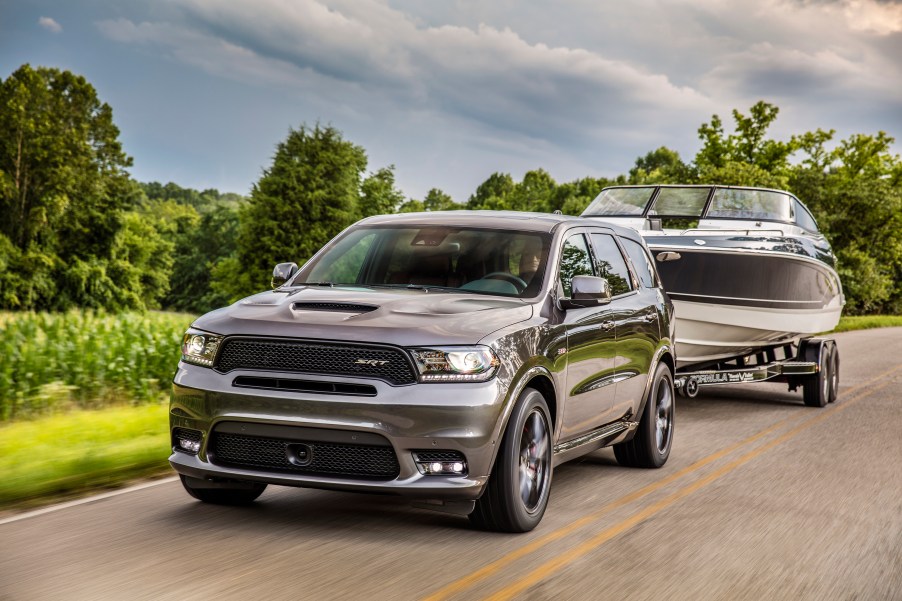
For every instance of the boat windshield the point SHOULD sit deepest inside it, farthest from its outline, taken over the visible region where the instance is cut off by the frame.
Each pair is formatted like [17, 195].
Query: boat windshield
[731, 203]
[687, 203]
[427, 257]
[624, 202]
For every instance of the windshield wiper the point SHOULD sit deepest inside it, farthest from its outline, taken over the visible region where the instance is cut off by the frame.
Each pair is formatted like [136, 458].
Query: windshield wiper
[423, 287]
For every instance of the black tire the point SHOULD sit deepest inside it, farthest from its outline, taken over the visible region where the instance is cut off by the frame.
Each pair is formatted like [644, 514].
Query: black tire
[243, 493]
[516, 494]
[816, 388]
[650, 447]
[834, 374]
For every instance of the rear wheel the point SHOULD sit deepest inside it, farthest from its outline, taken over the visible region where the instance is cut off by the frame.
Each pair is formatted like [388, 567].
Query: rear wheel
[650, 447]
[816, 388]
[221, 493]
[834, 374]
[516, 494]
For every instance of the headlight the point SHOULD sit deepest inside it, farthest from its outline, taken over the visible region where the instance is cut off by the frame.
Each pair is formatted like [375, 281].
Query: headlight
[456, 364]
[200, 347]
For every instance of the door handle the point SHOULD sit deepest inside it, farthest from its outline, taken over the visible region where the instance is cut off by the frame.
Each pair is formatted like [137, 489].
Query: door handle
[607, 325]
[649, 317]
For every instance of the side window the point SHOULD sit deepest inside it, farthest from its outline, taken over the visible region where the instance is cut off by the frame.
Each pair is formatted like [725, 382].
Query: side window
[804, 218]
[641, 261]
[575, 260]
[610, 264]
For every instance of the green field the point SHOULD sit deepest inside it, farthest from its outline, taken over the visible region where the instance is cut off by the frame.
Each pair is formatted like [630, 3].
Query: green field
[56, 362]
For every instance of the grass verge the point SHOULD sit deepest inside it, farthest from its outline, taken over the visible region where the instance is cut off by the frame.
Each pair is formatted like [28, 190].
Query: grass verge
[81, 450]
[867, 322]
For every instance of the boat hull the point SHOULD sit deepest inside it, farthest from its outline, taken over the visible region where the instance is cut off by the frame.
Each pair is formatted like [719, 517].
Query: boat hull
[730, 302]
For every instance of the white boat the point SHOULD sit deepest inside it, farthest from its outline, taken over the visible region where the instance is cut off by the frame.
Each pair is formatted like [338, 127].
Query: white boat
[746, 268]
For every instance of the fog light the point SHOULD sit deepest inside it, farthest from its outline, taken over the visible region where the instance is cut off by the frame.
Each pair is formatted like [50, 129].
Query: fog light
[192, 446]
[185, 440]
[449, 465]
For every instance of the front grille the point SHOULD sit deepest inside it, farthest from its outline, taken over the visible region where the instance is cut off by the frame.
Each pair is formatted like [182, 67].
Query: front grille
[385, 363]
[327, 459]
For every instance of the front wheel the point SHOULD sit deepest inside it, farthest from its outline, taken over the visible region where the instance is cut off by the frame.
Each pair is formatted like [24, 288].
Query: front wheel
[516, 494]
[237, 493]
[650, 447]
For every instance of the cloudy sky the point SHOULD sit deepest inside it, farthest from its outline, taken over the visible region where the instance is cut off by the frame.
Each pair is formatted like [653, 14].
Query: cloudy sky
[450, 91]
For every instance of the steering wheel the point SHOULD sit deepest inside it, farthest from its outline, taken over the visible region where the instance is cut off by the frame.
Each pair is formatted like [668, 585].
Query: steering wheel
[507, 277]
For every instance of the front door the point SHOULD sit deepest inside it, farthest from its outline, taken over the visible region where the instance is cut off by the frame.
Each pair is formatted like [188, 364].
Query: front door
[591, 350]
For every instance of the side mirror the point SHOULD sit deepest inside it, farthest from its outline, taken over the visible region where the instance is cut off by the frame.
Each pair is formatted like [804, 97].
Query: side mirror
[282, 273]
[587, 291]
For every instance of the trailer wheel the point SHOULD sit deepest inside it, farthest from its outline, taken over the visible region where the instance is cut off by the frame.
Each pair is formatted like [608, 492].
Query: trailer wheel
[834, 373]
[816, 388]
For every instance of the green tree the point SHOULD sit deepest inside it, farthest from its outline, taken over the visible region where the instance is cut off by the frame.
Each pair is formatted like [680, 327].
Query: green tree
[493, 193]
[378, 193]
[746, 157]
[855, 194]
[535, 193]
[661, 166]
[436, 200]
[63, 188]
[308, 195]
[572, 198]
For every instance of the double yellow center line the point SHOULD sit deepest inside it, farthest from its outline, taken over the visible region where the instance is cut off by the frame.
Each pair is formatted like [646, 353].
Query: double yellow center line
[549, 568]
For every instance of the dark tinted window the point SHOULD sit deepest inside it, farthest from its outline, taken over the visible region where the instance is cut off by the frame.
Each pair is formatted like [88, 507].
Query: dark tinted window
[804, 218]
[610, 264]
[575, 260]
[641, 261]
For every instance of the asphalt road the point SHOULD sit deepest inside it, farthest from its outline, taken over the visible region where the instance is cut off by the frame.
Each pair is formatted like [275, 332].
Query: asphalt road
[763, 498]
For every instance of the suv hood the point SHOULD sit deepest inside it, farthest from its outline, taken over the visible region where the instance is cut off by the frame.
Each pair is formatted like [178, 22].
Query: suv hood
[401, 317]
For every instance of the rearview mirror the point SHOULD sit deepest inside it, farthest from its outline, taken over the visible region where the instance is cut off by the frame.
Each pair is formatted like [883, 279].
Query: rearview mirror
[587, 291]
[282, 273]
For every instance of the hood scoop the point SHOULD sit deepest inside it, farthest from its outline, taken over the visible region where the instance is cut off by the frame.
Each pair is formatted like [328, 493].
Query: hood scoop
[334, 307]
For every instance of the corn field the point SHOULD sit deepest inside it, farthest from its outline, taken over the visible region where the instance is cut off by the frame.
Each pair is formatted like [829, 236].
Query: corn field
[81, 359]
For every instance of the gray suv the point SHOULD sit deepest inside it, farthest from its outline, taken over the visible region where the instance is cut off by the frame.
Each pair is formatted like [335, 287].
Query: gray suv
[454, 358]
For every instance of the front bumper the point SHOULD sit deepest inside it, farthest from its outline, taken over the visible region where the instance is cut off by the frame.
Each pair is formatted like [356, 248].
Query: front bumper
[462, 417]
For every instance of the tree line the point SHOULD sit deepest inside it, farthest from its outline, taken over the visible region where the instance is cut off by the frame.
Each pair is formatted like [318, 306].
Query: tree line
[76, 230]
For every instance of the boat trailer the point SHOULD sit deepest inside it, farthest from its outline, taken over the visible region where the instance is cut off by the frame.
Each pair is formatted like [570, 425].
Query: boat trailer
[813, 364]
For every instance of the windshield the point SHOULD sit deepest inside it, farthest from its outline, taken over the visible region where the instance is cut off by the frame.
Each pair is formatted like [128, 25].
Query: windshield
[731, 203]
[620, 201]
[482, 261]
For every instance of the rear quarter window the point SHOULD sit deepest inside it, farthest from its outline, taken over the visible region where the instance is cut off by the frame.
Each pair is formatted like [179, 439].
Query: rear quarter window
[641, 261]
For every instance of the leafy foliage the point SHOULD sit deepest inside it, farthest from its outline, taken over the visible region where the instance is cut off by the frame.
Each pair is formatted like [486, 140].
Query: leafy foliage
[56, 361]
[308, 195]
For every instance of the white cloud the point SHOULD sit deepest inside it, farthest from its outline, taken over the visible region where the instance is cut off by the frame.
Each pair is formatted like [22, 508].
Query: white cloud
[485, 75]
[50, 25]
